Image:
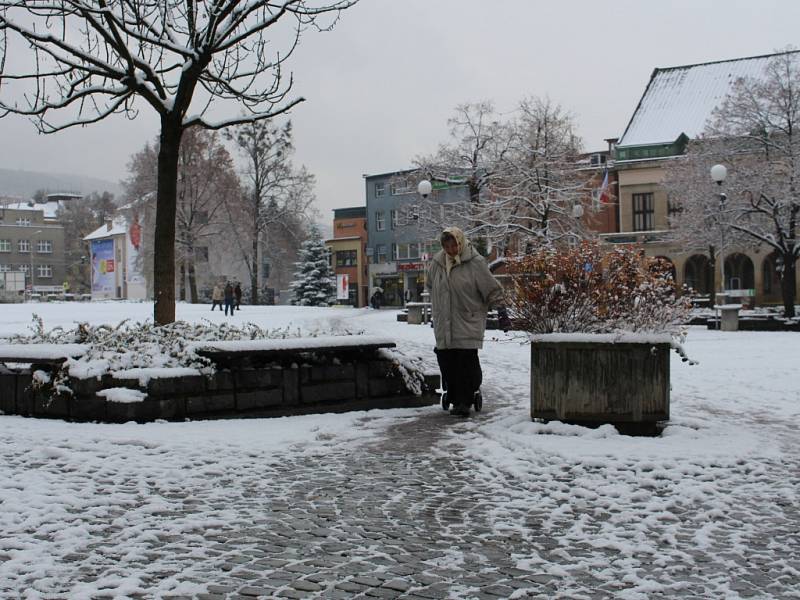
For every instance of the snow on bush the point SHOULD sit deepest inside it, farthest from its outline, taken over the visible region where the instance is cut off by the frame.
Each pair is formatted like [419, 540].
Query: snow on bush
[591, 289]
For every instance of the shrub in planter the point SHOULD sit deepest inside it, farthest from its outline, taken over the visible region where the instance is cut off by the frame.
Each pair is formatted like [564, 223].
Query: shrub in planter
[602, 323]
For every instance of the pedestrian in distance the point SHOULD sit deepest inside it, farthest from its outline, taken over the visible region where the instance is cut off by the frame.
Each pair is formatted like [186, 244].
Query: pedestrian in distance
[462, 291]
[228, 295]
[376, 298]
[217, 296]
[237, 293]
[407, 295]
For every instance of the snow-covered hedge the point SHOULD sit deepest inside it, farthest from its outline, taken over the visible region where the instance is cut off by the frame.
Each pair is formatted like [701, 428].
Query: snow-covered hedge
[593, 289]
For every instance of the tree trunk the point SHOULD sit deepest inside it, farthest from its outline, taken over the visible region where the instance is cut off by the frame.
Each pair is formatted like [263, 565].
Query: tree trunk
[164, 237]
[192, 281]
[788, 284]
[182, 282]
[254, 269]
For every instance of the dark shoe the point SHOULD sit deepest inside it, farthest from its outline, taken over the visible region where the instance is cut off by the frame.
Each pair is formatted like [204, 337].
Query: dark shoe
[460, 411]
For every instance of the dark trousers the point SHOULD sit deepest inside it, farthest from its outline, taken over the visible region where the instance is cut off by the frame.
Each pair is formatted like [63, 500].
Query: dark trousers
[461, 374]
[229, 305]
[215, 304]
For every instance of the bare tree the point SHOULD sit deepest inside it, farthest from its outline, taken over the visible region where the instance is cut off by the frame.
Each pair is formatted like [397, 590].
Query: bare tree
[92, 59]
[756, 129]
[698, 212]
[277, 194]
[538, 185]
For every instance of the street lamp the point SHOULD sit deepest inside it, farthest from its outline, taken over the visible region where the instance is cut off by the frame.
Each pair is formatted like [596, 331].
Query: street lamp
[424, 188]
[718, 174]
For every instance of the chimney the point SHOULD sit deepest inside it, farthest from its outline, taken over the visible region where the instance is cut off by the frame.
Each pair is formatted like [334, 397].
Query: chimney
[109, 224]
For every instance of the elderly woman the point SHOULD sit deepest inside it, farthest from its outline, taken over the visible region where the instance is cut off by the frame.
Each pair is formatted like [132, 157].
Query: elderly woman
[462, 291]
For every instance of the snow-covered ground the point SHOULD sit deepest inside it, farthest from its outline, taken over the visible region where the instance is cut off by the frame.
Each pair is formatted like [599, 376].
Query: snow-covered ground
[83, 506]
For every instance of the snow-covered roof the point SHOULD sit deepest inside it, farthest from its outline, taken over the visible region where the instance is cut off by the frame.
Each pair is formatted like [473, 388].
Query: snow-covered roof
[681, 99]
[48, 208]
[118, 227]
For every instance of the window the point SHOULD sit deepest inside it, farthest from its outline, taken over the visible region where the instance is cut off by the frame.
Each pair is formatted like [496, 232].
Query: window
[380, 250]
[201, 216]
[23, 245]
[44, 271]
[380, 190]
[408, 250]
[24, 221]
[44, 246]
[402, 186]
[346, 258]
[643, 212]
[23, 268]
[5, 268]
[394, 215]
[380, 221]
[5, 245]
[201, 253]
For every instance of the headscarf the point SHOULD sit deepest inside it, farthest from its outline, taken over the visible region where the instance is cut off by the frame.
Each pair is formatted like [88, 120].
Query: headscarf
[461, 240]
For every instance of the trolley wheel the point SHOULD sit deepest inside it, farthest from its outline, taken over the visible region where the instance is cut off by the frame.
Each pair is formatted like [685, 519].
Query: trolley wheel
[445, 401]
[477, 401]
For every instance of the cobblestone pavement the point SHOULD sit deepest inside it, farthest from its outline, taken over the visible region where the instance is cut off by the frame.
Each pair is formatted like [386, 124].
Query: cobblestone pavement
[410, 515]
[397, 519]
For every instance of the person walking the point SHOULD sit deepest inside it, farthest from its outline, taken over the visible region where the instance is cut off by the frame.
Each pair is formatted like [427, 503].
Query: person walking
[237, 293]
[228, 294]
[462, 291]
[216, 297]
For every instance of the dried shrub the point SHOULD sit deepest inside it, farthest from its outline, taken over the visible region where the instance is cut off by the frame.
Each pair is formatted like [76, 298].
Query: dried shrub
[593, 289]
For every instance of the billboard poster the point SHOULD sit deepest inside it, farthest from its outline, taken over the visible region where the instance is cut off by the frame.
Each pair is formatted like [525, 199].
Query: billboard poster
[342, 287]
[133, 242]
[103, 265]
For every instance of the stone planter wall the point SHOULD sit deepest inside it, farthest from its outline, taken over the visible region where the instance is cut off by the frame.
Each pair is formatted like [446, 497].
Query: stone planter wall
[593, 383]
[270, 390]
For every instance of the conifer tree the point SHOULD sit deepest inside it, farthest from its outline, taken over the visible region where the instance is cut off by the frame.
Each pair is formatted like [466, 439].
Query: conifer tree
[314, 283]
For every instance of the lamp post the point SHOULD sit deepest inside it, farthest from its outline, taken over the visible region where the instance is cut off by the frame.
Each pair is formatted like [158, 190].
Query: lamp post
[424, 189]
[718, 174]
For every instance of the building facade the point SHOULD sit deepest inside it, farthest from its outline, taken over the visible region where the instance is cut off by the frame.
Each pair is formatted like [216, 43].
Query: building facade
[348, 251]
[675, 107]
[402, 232]
[33, 244]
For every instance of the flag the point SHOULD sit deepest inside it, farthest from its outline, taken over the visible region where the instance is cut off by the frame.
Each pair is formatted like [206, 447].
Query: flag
[602, 193]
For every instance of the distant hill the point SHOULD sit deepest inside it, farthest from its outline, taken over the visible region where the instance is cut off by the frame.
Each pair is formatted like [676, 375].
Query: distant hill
[23, 184]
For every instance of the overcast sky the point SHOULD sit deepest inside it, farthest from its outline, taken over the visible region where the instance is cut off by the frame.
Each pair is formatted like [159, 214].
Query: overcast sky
[382, 84]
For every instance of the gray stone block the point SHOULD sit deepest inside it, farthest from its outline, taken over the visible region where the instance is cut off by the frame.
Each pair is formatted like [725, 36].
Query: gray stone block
[170, 409]
[291, 387]
[362, 379]
[176, 386]
[88, 408]
[220, 381]
[196, 405]
[258, 399]
[91, 385]
[122, 412]
[332, 372]
[257, 378]
[48, 404]
[221, 402]
[325, 392]
[24, 394]
[380, 368]
[8, 391]
[388, 386]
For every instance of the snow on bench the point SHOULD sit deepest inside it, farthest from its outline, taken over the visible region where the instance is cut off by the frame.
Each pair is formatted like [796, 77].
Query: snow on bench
[283, 347]
[40, 353]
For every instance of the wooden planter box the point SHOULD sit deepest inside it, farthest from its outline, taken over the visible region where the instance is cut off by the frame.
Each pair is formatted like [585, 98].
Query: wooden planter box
[597, 379]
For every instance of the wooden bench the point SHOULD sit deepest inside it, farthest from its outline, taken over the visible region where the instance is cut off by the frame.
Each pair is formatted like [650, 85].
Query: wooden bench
[228, 353]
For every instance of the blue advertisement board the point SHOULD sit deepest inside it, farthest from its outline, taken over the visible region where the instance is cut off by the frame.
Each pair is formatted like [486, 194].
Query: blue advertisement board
[103, 265]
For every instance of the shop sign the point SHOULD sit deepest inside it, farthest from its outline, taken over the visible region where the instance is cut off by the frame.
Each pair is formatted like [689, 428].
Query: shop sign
[415, 266]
